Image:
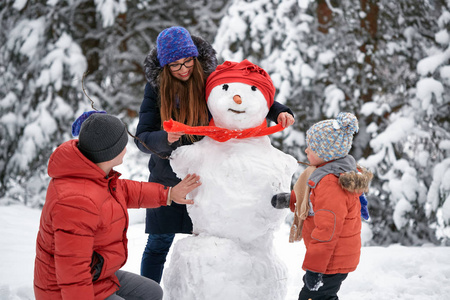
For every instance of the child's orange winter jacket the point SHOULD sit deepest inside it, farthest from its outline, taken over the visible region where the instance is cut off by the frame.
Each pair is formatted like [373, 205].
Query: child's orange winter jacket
[332, 231]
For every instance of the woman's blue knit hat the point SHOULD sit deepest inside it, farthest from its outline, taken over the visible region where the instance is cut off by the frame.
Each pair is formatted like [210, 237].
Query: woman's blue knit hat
[332, 139]
[174, 43]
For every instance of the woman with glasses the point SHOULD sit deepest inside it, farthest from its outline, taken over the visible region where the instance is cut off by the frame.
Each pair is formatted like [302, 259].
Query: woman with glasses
[176, 71]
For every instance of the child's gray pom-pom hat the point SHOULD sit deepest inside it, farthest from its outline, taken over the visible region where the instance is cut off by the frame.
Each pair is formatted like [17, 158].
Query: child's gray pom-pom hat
[174, 43]
[102, 137]
[332, 139]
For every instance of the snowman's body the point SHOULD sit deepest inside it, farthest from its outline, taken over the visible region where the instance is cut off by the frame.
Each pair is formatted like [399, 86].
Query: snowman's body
[231, 255]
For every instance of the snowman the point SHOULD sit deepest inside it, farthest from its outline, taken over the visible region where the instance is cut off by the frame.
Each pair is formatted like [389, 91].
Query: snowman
[231, 253]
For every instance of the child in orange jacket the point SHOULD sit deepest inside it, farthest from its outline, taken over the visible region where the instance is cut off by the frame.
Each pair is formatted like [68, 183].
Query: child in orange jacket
[328, 199]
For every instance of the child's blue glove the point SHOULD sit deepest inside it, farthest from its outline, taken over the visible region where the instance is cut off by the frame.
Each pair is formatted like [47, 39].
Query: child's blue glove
[364, 210]
[313, 280]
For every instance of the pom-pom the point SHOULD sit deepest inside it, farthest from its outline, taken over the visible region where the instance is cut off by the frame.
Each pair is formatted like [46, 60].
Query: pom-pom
[76, 126]
[348, 122]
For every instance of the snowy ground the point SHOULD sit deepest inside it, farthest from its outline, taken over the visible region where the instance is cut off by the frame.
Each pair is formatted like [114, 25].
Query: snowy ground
[395, 272]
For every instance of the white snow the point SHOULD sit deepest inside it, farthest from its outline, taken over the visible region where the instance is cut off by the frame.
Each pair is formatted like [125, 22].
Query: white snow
[109, 9]
[8, 119]
[303, 3]
[374, 108]
[440, 184]
[307, 74]
[446, 209]
[19, 4]
[444, 19]
[442, 37]
[444, 71]
[394, 272]
[402, 208]
[333, 98]
[426, 89]
[66, 53]
[444, 144]
[429, 64]
[396, 131]
[409, 33]
[26, 36]
[326, 57]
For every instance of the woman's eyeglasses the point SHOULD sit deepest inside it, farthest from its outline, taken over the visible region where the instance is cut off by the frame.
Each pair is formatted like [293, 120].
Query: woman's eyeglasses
[188, 64]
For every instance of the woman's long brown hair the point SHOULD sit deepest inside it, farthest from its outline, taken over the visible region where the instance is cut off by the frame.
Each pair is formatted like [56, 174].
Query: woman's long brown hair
[191, 108]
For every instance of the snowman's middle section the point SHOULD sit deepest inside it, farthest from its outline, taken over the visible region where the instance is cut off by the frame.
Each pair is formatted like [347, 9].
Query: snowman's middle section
[238, 178]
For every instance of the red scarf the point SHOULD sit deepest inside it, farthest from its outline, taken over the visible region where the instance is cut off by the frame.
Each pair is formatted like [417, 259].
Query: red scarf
[221, 134]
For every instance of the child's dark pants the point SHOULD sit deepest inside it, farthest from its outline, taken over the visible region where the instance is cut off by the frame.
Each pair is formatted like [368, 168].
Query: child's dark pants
[328, 291]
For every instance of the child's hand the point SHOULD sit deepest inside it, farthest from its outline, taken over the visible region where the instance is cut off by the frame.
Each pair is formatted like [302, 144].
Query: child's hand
[313, 280]
[187, 185]
[281, 200]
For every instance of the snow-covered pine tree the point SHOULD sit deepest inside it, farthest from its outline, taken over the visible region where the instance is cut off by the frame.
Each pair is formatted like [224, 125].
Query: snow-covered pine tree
[410, 141]
[41, 71]
[116, 78]
[45, 48]
[361, 56]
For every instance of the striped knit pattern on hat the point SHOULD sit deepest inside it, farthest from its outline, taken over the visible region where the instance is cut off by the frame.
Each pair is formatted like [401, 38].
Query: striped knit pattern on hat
[174, 43]
[332, 139]
[102, 137]
[245, 72]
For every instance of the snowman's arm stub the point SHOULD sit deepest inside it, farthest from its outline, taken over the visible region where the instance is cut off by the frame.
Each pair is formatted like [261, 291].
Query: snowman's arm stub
[287, 169]
[184, 160]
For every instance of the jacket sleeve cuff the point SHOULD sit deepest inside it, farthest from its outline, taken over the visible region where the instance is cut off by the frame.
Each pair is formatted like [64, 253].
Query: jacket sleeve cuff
[292, 202]
[169, 201]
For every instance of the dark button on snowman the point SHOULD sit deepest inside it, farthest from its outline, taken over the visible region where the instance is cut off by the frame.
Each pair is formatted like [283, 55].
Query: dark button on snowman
[231, 254]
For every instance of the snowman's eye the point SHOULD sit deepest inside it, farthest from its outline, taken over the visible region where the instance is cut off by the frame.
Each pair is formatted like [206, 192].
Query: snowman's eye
[225, 87]
[254, 88]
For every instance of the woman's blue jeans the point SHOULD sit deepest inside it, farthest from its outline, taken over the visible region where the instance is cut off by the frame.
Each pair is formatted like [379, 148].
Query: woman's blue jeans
[155, 253]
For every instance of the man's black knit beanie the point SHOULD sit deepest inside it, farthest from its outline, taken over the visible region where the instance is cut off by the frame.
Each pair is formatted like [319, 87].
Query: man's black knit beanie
[102, 137]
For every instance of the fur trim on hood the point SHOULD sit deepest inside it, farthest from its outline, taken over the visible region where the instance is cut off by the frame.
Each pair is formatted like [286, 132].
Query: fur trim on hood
[206, 56]
[352, 177]
[356, 182]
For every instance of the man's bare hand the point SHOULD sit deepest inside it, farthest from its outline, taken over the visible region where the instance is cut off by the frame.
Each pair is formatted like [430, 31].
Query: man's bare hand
[187, 185]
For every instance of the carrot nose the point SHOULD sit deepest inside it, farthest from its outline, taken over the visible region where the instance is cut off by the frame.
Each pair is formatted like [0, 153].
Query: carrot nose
[237, 99]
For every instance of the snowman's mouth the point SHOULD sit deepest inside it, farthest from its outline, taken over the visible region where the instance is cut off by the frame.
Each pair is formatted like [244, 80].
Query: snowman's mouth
[236, 111]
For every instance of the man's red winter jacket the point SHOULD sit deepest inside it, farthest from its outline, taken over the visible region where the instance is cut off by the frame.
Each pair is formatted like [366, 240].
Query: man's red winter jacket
[82, 239]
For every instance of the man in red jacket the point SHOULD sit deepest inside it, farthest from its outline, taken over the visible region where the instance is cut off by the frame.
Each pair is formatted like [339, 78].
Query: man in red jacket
[82, 242]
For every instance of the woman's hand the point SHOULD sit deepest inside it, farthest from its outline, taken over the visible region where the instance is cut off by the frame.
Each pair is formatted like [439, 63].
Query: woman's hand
[285, 119]
[187, 185]
[172, 137]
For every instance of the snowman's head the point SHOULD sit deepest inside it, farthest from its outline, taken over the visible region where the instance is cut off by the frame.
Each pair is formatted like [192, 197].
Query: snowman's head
[239, 95]
[237, 105]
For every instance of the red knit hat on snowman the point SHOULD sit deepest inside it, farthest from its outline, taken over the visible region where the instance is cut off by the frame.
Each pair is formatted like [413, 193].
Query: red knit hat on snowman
[228, 72]
[244, 72]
